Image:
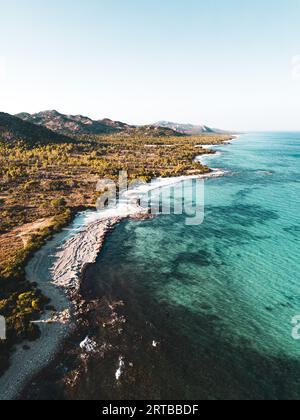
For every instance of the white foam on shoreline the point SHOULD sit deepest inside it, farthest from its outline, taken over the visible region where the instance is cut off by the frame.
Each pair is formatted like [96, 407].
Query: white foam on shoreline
[84, 247]
[120, 370]
[57, 268]
[205, 158]
[88, 345]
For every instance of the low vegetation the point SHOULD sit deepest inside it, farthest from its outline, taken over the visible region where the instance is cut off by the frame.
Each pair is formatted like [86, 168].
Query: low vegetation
[50, 183]
[20, 301]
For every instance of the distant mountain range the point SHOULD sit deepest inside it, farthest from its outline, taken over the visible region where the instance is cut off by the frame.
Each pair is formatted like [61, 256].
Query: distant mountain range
[53, 127]
[13, 129]
[191, 129]
[73, 124]
[151, 131]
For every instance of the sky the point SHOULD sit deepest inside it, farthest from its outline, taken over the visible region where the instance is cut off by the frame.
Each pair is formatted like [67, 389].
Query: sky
[231, 64]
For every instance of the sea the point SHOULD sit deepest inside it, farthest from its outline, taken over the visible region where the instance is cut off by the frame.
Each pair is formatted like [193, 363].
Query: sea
[208, 311]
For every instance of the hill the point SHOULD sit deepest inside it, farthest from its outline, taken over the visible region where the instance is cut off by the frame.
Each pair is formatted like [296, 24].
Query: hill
[73, 124]
[79, 125]
[190, 129]
[150, 131]
[13, 129]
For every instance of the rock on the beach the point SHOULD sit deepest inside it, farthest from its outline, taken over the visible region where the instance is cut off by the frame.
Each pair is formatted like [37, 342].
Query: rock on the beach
[88, 345]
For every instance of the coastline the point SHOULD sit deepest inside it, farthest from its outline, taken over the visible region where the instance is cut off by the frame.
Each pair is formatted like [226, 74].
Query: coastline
[57, 270]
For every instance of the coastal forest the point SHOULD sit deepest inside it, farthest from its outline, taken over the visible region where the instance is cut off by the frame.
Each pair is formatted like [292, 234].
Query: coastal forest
[47, 176]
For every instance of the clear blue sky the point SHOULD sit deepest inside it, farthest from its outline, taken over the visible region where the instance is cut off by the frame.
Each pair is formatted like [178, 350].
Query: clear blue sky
[225, 63]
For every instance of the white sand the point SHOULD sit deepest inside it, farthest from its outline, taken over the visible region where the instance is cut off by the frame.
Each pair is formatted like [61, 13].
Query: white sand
[25, 364]
[56, 268]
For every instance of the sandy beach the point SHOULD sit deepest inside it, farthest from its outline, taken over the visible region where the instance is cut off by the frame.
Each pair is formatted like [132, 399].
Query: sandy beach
[56, 269]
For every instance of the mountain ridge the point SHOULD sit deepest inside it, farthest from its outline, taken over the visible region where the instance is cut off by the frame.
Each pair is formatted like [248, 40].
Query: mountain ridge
[191, 129]
[14, 129]
[72, 124]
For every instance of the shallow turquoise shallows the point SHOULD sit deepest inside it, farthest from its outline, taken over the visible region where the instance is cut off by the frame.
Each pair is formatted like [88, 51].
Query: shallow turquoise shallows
[230, 286]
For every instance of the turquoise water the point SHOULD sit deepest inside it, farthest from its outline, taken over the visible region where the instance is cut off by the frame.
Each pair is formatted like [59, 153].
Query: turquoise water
[222, 295]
